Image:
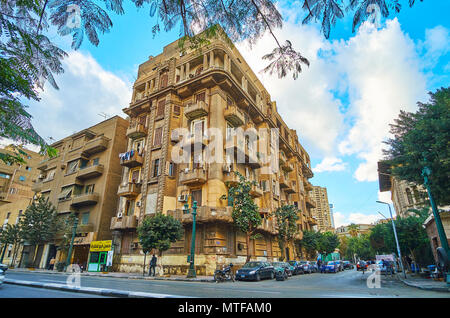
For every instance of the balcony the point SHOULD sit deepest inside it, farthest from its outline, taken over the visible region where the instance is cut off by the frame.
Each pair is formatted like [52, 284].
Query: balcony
[206, 214]
[126, 222]
[308, 186]
[235, 143]
[287, 166]
[43, 165]
[230, 178]
[267, 225]
[284, 182]
[193, 140]
[136, 130]
[129, 190]
[132, 161]
[310, 202]
[90, 172]
[95, 145]
[196, 110]
[234, 115]
[256, 191]
[194, 176]
[85, 199]
[252, 159]
[85, 228]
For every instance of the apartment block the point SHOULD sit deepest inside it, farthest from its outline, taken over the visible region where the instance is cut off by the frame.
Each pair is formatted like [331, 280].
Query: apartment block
[207, 88]
[362, 229]
[82, 179]
[321, 210]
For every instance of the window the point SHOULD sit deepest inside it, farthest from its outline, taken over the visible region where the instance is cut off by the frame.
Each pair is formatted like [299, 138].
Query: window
[200, 97]
[155, 169]
[28, 168]
[176, 110]
[134, 175]
[89, 189]
[139, 146]
[50, 175]
[163, 80]
[8, 215]
[171, 169]
[83, 163]
[197, 128]
[85, 218]
[95, 161]
[160, 108]
[158, 137]
[72, 166]
[129, 207]
[65, 194]
[22, 178]
[142, 120]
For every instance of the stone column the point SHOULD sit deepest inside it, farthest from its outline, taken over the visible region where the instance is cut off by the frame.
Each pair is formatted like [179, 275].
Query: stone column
[211, 59]
[205, 61]
[226, 63]
[188, 69]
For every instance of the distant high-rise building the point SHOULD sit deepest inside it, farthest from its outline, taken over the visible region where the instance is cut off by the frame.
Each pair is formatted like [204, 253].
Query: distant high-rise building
[322, 212]
[332, 216]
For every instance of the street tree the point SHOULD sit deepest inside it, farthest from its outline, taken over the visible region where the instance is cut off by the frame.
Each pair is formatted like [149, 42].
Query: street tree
[11, 235]
[353, 230]
[158, 232]
[286, 217]
[39, 223]
[310, 242]
[423, 139]
[245, 213]
[327, 243]
[360, 245]
[29, 57]
[343, 247]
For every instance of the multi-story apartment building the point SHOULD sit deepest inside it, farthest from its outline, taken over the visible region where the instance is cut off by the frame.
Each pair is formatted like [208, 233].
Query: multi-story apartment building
[212, 87]
[82, 179]
[16, 179]
[404, 195]
[361, 230]
[321, 211]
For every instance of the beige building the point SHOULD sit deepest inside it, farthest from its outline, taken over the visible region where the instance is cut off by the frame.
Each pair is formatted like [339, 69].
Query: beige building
[404, 195]
[16, 179]
[321, 211]
[430, 226]
[82, 179]
[362, 229]
[209, 88]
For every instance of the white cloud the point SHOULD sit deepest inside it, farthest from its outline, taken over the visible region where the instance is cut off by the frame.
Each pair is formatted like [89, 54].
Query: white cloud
[86, 89]
[385, 196]
[330, 164]
[339, 219]
[361, 218]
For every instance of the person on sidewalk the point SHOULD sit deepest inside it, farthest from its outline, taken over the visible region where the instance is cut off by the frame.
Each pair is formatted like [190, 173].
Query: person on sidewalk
[51, 266]
[152, 266]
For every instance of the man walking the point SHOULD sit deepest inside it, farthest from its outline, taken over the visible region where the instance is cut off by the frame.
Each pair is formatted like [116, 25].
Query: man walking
[152, 266]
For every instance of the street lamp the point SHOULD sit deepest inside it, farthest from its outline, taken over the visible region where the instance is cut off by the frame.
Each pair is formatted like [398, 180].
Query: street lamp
[191, 272]
[74, 231]
[396, 239]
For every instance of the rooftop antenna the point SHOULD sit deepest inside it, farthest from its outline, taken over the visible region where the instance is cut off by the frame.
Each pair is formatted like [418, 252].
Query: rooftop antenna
[105, 115]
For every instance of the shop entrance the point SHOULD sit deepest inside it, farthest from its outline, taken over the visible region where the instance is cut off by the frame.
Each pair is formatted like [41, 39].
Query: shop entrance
[100, 256]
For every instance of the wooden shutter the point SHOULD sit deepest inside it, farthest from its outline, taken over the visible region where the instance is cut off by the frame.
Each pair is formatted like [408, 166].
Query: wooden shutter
[176, 110]
[160, 109]
[200, 97]
[163, 80]
[197, 196]
[158, 137]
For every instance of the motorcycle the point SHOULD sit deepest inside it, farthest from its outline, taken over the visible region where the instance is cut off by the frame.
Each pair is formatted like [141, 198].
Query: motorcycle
[224, 274]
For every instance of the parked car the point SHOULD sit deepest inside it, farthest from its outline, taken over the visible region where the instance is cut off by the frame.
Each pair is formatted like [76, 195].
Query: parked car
[385, 269]
[360, 265]
[281, 270]
[314, 266]
[331, 267]
[306, 267]
[290, 268]
[298, 268]
[3, 269]
[255, 271]
[348, 265]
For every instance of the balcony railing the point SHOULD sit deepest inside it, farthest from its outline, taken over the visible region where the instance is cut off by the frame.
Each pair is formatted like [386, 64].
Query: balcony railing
[234, 115]
[95, 145]
[194, 176]
[204, 214]
[85, 199]
[196, 110]
[129, 190]
[310, 202]
[132, 161]
[256, 191]
[268, 225]
[124, 223]
[136, 130]
[90, 172]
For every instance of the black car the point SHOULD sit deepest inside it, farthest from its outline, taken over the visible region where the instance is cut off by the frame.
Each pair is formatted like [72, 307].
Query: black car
[255, 271]
[348, 265]
[298, 268]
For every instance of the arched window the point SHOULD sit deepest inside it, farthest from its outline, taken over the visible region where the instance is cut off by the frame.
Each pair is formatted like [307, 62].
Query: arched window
[409, 196]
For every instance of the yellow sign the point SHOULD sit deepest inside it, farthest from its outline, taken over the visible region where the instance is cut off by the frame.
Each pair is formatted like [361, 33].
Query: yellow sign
[100, 246]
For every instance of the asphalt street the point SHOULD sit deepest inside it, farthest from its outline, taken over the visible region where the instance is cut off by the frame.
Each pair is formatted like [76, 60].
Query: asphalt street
[15, 291]
[350, 283]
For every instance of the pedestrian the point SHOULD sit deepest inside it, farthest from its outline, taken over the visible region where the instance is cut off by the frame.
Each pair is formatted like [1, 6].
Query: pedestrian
[51, 266]
[152, 266]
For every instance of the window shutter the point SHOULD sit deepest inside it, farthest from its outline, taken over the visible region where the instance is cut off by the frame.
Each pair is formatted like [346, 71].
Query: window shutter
[160, 109]
[176, 110]
[200, 97]
[158, 137]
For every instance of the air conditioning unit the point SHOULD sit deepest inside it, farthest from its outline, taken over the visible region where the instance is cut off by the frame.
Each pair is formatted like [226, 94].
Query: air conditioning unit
[183, 198]
[186, 170]
[119, 215]
[226, 168]
[138, 203]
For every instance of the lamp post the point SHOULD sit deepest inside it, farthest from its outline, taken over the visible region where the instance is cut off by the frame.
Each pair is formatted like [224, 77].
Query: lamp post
[396, 239]
[74, 231]
[191, 272]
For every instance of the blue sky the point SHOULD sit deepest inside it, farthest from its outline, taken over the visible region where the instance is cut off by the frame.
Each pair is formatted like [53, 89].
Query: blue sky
[340, 106]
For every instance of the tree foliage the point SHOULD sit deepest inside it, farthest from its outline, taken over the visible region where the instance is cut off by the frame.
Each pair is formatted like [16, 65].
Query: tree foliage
[327, 242]
[286, 217]
[11, 234]
[361, 246]
[159, 232]
[423, 139]
[245, 213]
[310, 242]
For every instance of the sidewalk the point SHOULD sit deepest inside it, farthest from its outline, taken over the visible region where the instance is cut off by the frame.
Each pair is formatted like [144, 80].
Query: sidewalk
[208, 279]
[424, 283]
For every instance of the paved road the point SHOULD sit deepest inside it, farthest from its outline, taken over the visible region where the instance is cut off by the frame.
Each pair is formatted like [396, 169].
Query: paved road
[15, 291]
[349, 283]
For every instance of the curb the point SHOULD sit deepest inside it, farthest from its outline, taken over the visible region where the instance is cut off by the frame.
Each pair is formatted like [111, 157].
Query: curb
[202, 280]
[91, 290]
[438, 289]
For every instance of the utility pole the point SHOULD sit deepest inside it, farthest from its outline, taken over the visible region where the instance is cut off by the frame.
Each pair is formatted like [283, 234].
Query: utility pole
[74, 232]
[396, 238]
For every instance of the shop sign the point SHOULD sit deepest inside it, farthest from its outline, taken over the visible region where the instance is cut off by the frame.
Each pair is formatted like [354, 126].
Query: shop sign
[101, 246]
